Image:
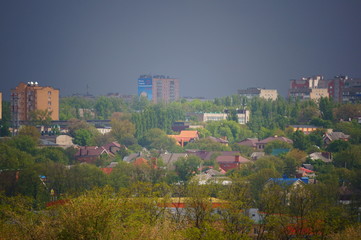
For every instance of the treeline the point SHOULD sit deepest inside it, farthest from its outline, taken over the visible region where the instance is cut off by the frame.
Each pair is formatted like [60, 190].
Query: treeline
[143, 211]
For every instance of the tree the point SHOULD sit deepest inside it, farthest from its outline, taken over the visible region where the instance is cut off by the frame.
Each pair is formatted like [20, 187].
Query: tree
[84, 177]
[41, 117]
[76, 124]
[83, 137]
[300, 140]
[348, 111]
[326, 108]
[30, 131]
[12, 158]
[290, 166]
[198, 207]
[338, 146]
[54, 154]
[5, 120]
[277, 144]
[235, 222]
[307, 113]
[186, 167]
[349, 158]
[122, 130]
[157, 139]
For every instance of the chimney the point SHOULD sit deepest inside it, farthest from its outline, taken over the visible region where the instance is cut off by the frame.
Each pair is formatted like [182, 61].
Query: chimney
[237, 158]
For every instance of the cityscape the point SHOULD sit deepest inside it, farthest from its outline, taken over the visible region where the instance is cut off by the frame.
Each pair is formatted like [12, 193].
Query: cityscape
[182, 120]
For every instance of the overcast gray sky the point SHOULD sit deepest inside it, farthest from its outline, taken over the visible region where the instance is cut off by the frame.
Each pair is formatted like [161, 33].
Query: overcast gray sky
[213, 46]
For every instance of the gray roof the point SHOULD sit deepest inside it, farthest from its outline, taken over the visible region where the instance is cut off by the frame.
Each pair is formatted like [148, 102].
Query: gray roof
[170, 158]
[336, 136]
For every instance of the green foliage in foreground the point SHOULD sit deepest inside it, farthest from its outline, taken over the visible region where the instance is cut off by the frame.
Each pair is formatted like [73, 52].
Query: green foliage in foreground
[140, 212]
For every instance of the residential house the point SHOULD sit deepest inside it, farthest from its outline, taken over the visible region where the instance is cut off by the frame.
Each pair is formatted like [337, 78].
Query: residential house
[231, 162]
[211, 176]
[323, 156]
[249, 142]
[91, 154]
[185, 137]
[63, 141]
[257, 155]
[288, 182]
[113, 147]
[209, 155]
[170, 158]
[304, 172]
[223, 141]
[109, 169]
[333, 136]
[261, 144]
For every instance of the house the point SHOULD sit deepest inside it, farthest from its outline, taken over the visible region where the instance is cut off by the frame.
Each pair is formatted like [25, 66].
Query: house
[91, 154]
[185, 137]
[288, 182]
[131, 157]
[261, 144]
[211, 176]
[209, 155]
[113, 147]
[249, 142]
[142, 161]
[304, 172]
[219, 140]
[257, 155]
[170, 158]
[331, 136]
[109, 169]
[231, 162]
[63, 141]
[323, 156]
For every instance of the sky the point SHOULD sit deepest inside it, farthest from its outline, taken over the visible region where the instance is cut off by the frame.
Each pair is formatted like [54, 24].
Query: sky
[213, 47]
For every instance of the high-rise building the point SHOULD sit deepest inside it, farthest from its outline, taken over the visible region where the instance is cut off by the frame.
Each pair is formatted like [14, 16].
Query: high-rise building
[158, 88]
[351, 92]
[335, 87]
[308, 88]
[27, 97]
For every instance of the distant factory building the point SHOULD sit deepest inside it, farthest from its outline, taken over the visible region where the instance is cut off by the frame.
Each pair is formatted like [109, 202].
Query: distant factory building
[271, 94]
[158, 88]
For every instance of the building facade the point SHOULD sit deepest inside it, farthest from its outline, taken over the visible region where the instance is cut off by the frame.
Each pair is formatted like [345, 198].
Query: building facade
[335, 87]
[242, 115]
[28, 97]
[312, 88]
[158, 88]
[351, 91]
[270, 94]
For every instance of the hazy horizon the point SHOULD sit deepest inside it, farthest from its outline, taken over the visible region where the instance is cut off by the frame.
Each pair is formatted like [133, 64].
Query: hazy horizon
[213, 47]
